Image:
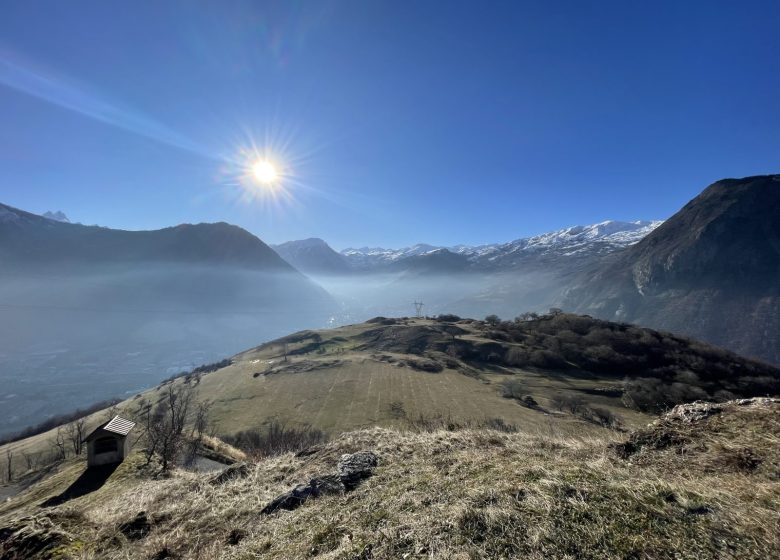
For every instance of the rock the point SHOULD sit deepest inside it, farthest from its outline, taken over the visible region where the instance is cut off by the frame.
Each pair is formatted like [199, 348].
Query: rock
[693, 412]
[239, 470]
[757, 401]
[354, 467]
[329, 484]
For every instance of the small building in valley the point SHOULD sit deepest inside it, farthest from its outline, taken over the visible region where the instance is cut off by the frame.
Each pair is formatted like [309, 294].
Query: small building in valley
[109, 443]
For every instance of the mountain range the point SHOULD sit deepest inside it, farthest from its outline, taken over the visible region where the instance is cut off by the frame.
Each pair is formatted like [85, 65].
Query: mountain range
[711, 271]
[91, 312]
[596, 239]
[79, 301]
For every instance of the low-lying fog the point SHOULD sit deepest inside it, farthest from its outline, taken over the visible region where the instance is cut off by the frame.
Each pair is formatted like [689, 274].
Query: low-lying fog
[76, 337]
[79, 336]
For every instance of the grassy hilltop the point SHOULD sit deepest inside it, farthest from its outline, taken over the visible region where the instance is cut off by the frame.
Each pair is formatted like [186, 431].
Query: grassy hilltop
[495, 439]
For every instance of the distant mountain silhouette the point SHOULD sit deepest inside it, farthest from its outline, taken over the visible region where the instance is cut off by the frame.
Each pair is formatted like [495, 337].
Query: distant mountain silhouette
[91, 312]
[711, 271]
[313, 256]
[27, 238]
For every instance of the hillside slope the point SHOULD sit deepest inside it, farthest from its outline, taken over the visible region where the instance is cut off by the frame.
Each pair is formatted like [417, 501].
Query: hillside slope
[712, 271]
[708, 489]
[313, 256]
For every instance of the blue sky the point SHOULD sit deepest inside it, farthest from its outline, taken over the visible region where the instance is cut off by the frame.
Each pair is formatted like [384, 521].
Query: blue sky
[396, 122]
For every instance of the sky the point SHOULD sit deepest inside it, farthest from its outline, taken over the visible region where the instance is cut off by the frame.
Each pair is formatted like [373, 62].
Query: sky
[392, 123]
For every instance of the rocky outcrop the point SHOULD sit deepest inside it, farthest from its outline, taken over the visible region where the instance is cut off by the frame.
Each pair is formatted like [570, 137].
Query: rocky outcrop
[693, 433]
[352, 468]
[239, 470]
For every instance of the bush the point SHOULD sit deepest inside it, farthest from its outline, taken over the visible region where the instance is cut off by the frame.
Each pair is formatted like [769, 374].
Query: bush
[517, 357]
[604, 417]
[513, 389]
[276, 439]
[448, 318]
[432, 423]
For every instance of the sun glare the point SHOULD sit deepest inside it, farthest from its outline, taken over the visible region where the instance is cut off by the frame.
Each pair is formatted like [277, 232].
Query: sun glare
[265, 172]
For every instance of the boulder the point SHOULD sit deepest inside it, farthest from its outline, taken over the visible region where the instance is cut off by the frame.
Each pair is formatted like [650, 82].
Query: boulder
[354, 467]
[329, 484]
[351, 469]
[693, 412]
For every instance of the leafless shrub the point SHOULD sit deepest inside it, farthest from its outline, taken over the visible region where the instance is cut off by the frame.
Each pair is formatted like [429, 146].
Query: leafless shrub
[9, 464]
[603, 417]
[30, 460]
[198, 431]
[74, 433]
[435, 422]
[276, 439]
[513, 389]
[59, 445]
[163, 425]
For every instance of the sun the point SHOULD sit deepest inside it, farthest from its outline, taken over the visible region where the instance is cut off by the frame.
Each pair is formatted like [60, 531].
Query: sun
[265, 172]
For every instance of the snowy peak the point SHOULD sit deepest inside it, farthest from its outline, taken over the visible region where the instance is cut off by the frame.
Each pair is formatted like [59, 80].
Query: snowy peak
[57, 216]
[600, 238]
[611, 233]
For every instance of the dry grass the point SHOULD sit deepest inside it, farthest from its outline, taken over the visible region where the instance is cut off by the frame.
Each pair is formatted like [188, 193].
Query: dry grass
[456, 495]
[350, 386]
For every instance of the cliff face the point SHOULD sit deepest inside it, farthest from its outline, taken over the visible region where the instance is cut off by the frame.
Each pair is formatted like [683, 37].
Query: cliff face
[711, 271]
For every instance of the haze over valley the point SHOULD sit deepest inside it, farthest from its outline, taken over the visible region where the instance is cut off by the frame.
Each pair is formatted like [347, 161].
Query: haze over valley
[333, 280]
[94, 313]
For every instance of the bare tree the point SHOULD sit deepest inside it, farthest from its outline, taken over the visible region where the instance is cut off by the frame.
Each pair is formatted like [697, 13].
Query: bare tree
[9, 464]
[74, 432]
[200, 426]
[59, 445]
[30, 460]
[111, 411]
[164, 424]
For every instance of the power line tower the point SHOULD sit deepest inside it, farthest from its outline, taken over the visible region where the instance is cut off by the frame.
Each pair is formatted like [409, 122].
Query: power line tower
[418, 305]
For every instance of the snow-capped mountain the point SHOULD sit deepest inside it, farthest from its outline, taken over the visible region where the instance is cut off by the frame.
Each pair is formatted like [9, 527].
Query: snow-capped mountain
[594, 239]
[57, 216]
[369, 257]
